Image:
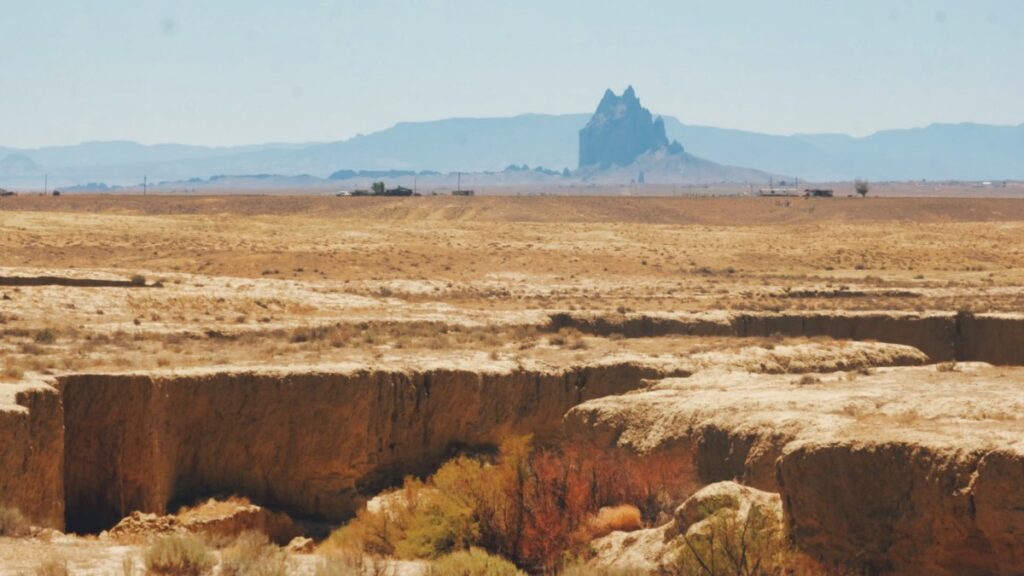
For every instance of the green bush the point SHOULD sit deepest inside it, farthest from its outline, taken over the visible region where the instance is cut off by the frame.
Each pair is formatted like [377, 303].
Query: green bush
[473, 562]
[441, 525]
[179, 555]
[731, 543]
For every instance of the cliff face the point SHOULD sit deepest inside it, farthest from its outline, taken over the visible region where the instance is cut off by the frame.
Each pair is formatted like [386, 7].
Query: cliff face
[307, 443]
[620, 131]
[907, 508]
[32, 452]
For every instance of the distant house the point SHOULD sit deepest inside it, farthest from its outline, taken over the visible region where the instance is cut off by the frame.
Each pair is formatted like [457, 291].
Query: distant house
[398, 191]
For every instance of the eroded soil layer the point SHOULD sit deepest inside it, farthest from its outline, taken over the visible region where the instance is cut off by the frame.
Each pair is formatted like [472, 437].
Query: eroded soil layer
[32, 451]
[311, 444]
[965, 337]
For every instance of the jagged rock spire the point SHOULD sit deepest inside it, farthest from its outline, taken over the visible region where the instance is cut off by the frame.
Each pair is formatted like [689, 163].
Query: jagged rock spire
[620, 130]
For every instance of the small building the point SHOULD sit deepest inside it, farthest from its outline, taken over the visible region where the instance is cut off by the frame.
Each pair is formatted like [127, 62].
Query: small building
[818, 193]
[398, 191]
[462, 193]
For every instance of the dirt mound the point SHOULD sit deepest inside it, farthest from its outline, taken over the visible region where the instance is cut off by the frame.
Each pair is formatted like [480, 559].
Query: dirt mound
[215, 519]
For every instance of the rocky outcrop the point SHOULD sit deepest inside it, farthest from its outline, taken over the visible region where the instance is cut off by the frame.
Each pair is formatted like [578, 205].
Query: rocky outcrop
[704, 514]
[620, 131]
[309, 443]
[216, 520]
[905, 471]
[32, 451]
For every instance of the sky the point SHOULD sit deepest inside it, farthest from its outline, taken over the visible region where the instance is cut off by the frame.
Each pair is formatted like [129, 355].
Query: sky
[227, 72]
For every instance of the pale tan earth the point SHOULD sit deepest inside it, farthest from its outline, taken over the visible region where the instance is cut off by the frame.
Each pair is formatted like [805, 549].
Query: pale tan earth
[857, 357]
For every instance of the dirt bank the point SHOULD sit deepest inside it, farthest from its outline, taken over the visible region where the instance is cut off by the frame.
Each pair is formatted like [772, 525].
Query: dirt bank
[311, 444]
[965, 337]
[31, 451]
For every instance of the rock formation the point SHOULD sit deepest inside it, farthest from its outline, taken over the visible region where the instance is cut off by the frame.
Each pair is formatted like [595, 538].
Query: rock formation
[620, 131]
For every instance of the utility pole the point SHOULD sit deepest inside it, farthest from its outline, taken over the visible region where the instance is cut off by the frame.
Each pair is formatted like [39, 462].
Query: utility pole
[459, 185]
[46, 183]
[145, 184]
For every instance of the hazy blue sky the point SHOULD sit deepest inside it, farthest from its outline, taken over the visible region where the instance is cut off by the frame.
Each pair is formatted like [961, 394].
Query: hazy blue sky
[246, 71]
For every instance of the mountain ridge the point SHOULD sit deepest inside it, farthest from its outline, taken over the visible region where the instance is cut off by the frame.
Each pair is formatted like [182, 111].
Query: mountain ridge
[939, 151]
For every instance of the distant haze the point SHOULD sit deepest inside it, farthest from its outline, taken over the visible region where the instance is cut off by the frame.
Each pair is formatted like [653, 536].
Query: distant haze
[239, 72]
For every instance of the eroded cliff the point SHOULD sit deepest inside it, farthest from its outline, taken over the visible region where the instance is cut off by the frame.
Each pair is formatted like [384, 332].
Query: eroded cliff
[310, 443]
[993, 338]
[32, 451]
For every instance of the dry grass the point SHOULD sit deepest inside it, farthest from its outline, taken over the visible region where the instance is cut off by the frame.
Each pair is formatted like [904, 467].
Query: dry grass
[252, 554]
[275, 278]
[473, 562]
[52, 567]
[179, 555]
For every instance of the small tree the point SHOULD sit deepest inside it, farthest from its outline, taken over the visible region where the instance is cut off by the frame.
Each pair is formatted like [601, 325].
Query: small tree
[378, 188]
[861, 186]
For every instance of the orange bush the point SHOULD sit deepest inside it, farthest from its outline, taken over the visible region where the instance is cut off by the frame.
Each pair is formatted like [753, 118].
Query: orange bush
[534, 506]
[624, 517]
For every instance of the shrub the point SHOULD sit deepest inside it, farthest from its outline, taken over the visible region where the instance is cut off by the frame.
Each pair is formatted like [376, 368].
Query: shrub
[13, 522]
[178, 555]
[808, 380]
[625, 517]
[732, 543]
[137, 280]
[45, 336]
[252, 554]
[531, 506]
[52, 567]
[473, 562]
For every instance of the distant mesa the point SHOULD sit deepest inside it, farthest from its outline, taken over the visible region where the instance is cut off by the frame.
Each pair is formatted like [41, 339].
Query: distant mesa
[620, 131]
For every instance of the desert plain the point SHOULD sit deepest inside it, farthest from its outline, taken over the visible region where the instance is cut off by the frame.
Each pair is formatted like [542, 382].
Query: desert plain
[848, 367]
